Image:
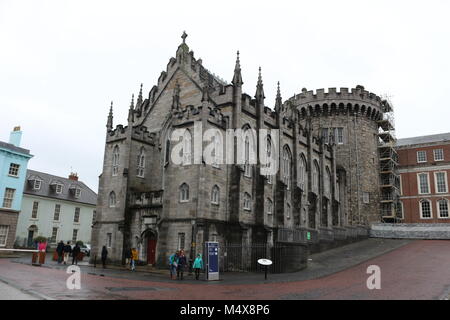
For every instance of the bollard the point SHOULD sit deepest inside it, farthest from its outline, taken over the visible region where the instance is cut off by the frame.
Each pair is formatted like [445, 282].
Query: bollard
[95, 261]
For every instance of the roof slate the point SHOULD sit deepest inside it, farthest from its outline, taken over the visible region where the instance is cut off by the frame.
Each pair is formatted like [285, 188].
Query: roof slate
[441, 137]
[87, 196]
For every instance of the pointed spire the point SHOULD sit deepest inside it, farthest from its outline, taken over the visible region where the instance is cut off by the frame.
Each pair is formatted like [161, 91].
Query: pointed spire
[139, 99]
[259, 95]
[109, 123]
[278, 100]
[237, 77]
[131, 110]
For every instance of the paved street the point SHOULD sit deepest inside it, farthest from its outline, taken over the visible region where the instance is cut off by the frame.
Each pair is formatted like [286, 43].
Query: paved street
[409, 270]
[8, 292]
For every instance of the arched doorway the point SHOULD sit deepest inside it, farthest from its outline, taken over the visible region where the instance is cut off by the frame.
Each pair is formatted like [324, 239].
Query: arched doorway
[32, 232]
[151, 240]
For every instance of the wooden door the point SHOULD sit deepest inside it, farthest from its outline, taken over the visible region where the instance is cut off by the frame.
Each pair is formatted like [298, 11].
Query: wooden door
[151, 250]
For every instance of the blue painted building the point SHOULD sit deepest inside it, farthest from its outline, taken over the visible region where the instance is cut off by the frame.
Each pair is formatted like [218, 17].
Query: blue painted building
[13, 170]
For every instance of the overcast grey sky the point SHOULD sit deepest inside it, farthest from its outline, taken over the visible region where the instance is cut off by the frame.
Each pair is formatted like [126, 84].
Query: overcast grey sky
[62, 62]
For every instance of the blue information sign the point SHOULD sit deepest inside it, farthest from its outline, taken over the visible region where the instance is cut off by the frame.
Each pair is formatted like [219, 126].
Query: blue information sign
[212, 261]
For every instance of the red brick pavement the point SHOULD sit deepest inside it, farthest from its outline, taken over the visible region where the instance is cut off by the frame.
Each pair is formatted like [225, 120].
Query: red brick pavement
[419, 270]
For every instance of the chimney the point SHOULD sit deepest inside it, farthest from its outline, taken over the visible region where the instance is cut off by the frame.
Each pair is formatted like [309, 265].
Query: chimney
[15, 136]
[73, 176]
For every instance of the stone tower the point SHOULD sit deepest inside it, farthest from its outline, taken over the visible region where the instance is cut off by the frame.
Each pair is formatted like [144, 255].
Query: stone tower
[350, 119]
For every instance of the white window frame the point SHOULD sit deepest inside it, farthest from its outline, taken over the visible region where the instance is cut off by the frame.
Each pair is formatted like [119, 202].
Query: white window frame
[8, 198]
[59, 188]
[418, 158]
[436, 182]
[431, 209]
[54, 236]
[35, 210]
[75, 215]
[181, 240]
[37, 184]
[14, 169]
[77, 193]
[441, 153]
[428, 182]
[74, 235]
[326, 135]
[5, 234]
[57, 205]
[341, 136]
[439, 208]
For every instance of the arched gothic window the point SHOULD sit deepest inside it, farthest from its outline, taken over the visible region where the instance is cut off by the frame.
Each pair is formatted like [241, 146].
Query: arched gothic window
[115, 161]
[184, 193]
[141, 163]
[287, 163]
[302, 172]
[215, 195]
[315, 177]
[247, 201]
[112, 199]
[187, 148]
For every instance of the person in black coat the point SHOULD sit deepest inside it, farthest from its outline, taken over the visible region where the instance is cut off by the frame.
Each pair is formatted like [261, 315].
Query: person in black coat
[182, 262]
[60, 251]
[67, 250]
[104, 256]
[76, 250]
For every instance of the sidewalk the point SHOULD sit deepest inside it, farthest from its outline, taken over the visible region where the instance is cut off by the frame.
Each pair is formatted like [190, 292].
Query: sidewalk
[319, 265]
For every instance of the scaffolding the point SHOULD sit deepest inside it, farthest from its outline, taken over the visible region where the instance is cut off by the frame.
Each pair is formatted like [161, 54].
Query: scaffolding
[388, 159]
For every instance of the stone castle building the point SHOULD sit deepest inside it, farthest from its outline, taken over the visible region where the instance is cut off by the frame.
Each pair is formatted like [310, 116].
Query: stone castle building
[327, 147]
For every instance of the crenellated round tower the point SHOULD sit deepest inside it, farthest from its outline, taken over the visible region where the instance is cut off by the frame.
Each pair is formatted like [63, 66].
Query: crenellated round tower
[350, 119]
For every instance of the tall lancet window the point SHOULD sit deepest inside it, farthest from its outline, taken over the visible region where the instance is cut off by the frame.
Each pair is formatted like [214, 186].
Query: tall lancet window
[247, 169]
[187, 148]
[167, 153]
[269, 175]
[141, 164]
[115, 161]
[287, 163]
[327, 186]
[217, 153]
[302, 172]
[112, 199]
[315, 178]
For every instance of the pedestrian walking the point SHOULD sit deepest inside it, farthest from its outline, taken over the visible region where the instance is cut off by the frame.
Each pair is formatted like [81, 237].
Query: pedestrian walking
[104, 256]
[134, 258]
[198, 265]
[75, 252]
[173, 263]
[67, 250]
[60, 251]
[182, 262]
[128, 258]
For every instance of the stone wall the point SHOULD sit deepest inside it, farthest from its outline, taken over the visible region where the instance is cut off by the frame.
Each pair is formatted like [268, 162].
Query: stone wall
[411, 231]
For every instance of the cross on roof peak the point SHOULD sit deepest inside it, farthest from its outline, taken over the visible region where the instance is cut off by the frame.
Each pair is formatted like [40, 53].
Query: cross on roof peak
[184, 36]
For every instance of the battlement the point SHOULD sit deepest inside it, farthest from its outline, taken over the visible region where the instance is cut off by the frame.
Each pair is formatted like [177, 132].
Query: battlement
[120, 132]
[141, 133]
[358, 94]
